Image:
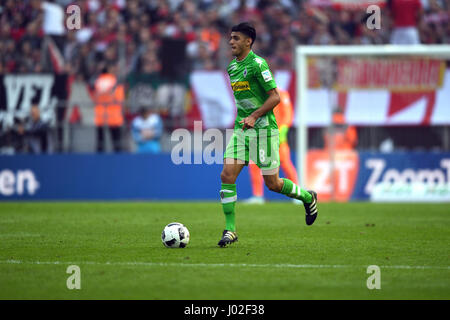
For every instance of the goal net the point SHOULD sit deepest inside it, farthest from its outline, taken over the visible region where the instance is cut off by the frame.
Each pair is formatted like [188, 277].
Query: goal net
[373, 122]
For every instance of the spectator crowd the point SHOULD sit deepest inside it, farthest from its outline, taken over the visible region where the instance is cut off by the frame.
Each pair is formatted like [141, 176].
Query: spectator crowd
[128, 36]
[128, 33]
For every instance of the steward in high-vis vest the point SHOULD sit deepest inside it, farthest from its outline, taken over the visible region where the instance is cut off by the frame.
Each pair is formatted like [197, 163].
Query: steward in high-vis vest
[342, 137]
[108, 99]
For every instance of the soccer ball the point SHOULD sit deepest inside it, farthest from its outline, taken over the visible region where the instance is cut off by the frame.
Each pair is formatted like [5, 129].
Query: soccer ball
[175, 235]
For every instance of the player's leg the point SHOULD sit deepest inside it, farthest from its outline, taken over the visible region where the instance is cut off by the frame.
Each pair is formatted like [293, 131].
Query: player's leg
[292, 190]
[286, 163]
[228, 197]
[257, 183]
[286, 187]
[287, 166]
[235, 158]
[270, 171]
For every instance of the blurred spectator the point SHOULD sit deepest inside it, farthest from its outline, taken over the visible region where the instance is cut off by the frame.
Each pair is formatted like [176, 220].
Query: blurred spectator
[33, 35]
[53, 22]
[146, 130]
[201, 56]
[406, 16]
[435, 26]
[123, 32]
[34, 132]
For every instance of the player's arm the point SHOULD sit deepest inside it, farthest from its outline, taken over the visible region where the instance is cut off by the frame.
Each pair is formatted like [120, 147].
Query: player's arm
[271, 102]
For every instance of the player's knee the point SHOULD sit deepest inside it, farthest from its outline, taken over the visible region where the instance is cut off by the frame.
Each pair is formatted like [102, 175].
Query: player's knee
[227, 177]
[274, 185]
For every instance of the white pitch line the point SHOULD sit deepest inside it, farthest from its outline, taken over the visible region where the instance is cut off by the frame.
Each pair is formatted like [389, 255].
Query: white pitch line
[17, 235]
[215, 265]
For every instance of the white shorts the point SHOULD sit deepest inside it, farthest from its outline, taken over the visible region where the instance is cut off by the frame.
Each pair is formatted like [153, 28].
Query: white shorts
[405, 35]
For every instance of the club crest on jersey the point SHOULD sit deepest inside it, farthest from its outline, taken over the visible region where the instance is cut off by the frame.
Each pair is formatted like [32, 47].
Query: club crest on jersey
[245, 72]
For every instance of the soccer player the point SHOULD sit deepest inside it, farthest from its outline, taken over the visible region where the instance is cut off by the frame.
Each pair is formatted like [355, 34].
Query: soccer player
[255, 135]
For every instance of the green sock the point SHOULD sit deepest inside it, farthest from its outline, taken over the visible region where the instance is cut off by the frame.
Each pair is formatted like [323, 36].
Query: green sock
[228, 198]
[292, 190]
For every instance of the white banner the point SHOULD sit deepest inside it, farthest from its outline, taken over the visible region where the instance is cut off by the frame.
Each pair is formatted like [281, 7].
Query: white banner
[18, 92]
[363, 107]
[212, 92]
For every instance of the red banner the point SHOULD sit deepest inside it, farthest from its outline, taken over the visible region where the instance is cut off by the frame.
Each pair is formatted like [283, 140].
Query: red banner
[392, 74]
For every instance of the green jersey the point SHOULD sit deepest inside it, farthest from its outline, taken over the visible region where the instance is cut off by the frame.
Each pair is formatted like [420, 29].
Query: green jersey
[250, 80]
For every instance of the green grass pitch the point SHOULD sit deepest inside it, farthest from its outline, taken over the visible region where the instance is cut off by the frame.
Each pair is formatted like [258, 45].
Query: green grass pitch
[118, 248]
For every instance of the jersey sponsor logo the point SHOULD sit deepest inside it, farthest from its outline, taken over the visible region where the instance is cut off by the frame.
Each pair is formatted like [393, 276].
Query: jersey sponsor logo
[240, 86]
[266, 75]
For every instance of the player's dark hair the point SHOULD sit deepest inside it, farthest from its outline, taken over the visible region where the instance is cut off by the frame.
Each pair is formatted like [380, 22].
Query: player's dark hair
[247, 29]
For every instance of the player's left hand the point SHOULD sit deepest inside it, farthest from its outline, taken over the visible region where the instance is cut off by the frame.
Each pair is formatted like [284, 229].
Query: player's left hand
[248, 122]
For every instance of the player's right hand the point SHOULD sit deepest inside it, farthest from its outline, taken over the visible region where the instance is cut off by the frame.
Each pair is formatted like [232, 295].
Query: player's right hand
[248, 122]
